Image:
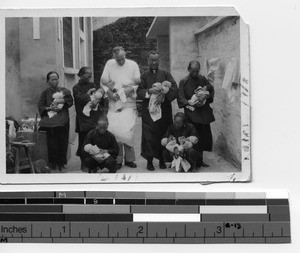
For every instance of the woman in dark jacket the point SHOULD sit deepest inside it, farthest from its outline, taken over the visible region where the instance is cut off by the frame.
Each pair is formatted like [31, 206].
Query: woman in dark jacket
[82, 92]
[53, 105]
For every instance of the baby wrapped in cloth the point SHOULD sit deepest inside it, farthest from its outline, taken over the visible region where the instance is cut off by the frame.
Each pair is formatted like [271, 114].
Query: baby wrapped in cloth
[179, 162]
[199, 97]
[96, 152]
[154, 106]
[58, 101]
[94, 103]
[119, 92]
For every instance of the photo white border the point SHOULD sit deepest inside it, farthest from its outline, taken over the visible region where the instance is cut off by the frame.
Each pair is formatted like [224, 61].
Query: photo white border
[240, 176]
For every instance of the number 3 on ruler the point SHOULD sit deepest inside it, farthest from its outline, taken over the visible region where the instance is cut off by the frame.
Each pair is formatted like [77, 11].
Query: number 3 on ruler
[219, 229]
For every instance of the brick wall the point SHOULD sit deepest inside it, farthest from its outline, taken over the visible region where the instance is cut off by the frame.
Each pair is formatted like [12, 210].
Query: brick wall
[129, 32]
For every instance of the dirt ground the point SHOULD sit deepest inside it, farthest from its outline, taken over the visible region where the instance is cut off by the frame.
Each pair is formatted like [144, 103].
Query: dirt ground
[216, 163]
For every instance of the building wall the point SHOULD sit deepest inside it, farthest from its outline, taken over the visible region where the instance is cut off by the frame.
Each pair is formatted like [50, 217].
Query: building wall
[183, 43]
[183, 46]
[12, 67]
[163, 47]
[223, 42]
[38, 57]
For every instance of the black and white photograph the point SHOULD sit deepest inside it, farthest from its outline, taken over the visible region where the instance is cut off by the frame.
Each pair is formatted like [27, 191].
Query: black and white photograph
[126, 96]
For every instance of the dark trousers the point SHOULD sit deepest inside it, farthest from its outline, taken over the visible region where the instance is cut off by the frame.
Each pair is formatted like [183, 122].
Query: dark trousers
[190, 154]
[81, 139]
[92, 164]
[205, 137]
[57, 141]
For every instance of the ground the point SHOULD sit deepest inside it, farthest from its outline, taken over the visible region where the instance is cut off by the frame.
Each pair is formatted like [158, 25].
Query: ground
[217, 163]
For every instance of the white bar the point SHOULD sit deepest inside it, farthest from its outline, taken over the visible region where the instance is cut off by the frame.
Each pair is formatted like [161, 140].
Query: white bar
[233, 209]
[36, 28]
[166, 217]
[277, 195]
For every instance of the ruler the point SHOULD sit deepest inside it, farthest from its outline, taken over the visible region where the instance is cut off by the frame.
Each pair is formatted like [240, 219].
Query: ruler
[144, 217]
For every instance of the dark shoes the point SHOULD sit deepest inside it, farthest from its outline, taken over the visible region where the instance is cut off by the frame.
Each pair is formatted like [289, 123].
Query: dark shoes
[150, 166]
[204, 165]
[118, 166]
[162, 164]
[131, 164]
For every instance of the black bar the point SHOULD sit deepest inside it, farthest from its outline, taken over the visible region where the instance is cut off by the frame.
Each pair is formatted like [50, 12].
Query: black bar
[220, 202]
[31, 217]
[99, 217]
[100, 201]
[277, 202]
[160, 201]
[250, 202]
[31, 208]
[39, 201]
[68, 201]
[130, 201]
[190, 202]
[12, 201]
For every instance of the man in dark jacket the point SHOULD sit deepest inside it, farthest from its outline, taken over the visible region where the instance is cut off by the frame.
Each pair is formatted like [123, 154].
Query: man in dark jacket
[153, 131]
[100, 148]
[199, 114]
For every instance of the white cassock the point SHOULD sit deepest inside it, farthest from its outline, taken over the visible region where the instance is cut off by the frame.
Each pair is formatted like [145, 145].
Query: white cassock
[121, 122]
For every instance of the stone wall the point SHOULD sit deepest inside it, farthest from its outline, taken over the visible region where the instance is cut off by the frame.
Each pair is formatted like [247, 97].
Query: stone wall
[129, 32]
[223, 42]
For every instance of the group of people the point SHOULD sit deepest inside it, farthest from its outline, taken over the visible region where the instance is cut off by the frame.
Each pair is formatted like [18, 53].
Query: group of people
[106, 116]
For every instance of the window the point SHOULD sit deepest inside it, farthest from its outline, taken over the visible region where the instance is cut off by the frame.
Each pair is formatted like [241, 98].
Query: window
[68, 42]
[81, 24]
[82, 42]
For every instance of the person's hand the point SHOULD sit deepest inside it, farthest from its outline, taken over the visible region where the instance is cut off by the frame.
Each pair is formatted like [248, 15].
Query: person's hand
[115, 97]
[56, 109]
[103, 151]
[59, 101]
[91, 91]
[112, 95]
[51, 107]
[110, 85]
[190, 102]
[199, 103]
[154, 90]
[128, 91]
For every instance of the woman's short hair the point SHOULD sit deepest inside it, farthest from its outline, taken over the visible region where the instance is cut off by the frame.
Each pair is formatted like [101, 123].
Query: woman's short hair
[192, 63]
[50, 73]
[82, 71]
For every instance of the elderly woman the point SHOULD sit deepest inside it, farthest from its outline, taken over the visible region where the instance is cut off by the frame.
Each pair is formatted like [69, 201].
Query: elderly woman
[179, 140]
[54, 107]
[83, 93]
[200, 114]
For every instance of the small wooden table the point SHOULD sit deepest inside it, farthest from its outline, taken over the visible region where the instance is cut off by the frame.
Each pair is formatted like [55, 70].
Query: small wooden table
[19, 146]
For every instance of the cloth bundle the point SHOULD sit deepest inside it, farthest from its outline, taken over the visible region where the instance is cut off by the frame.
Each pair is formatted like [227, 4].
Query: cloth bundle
[56, 102]
[96, 152]
[154, 106]
[200, 96]
[95, 98]
[179, 162]
[123, 99]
